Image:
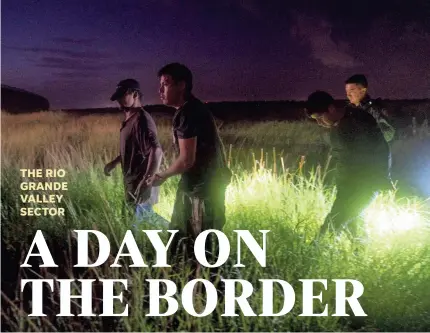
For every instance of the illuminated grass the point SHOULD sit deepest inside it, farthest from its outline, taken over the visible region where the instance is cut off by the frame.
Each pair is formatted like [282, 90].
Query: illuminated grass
[393, 263]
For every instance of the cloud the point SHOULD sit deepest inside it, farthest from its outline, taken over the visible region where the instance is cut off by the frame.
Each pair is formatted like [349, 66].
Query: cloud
[250, 6]
[129, 65]
[69, 64]
[397, 58]
[66, 68]
[166, 3]
[316, 32]
[79, 74]
[68, 40]
[62, 52]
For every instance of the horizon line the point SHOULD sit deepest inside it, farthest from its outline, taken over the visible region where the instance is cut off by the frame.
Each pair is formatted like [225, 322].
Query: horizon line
[241, 101]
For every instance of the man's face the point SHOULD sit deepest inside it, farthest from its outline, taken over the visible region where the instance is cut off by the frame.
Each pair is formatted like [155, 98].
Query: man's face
[127, 100]
[355, 92]
[170, 91]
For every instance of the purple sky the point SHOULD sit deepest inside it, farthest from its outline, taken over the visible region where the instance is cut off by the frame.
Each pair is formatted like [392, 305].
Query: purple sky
[74, 52]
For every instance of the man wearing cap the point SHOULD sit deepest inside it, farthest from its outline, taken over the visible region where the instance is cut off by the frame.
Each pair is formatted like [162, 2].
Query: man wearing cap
[140, 151]
[360, 153]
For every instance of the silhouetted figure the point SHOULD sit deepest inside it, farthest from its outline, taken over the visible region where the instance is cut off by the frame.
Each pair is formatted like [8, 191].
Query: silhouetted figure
[359, 100]
[360, 153]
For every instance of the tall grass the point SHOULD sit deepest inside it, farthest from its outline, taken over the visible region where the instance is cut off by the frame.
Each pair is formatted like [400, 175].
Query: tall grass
[287, 199]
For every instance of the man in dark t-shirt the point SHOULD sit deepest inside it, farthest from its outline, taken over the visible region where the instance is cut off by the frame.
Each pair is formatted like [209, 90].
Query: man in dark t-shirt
[360, 153]
[200, 198]
[193, 119]
[140, 151]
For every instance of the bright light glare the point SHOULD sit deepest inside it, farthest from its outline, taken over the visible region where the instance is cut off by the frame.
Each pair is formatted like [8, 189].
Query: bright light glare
[385, 219]
[260, 179]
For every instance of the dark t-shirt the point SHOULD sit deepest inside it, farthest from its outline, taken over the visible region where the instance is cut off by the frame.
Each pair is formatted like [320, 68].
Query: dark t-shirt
[375, 108]
[137, 137]
[360, 150]
[194, 119]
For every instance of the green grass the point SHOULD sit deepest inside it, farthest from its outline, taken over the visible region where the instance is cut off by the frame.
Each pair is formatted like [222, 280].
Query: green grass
[291, 202]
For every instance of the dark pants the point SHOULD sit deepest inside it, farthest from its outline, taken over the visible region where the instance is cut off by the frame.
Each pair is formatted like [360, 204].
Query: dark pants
[193, 214]
[351, 199]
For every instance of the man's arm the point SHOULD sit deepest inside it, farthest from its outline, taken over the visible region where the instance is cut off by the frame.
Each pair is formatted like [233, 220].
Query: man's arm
[185, 160]
[387, 130]
[185, 126]
[147, 136]
[143, 190]
[154, 161]
[150, 139]
[116, 160]
[381, 116]
[111, 165]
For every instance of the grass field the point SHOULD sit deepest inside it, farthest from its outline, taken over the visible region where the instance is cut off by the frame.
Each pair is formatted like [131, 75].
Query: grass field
[281, 183]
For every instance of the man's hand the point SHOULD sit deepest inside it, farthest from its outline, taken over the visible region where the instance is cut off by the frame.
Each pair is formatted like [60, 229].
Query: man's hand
[109, 167]
[142, 193]
[155, 180]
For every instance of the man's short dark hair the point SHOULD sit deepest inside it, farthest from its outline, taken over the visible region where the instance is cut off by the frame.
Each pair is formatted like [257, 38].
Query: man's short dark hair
[318, 102]
[357, 79]
[178, 72]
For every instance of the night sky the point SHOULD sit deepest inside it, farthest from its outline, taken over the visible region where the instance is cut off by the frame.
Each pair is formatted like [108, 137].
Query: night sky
[74, 52]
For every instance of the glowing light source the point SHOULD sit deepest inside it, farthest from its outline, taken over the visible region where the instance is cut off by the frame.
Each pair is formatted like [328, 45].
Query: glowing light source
[389, 219]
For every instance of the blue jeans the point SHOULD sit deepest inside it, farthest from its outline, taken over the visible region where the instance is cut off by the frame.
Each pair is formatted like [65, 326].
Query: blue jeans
[145, 213]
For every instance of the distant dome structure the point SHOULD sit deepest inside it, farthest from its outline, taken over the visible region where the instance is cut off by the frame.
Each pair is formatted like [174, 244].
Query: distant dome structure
[17, 100]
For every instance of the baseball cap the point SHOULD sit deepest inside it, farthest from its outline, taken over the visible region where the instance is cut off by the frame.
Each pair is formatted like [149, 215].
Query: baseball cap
[123, 86]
